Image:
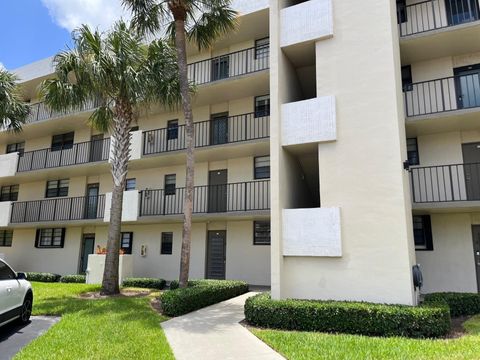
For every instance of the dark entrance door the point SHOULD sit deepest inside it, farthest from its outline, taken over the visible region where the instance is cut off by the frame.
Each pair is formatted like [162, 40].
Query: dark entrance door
[88, 247]
[217, 191]
[471, 160]
[96, 148]
[220, 68]
[91, 202]
[461, 11]
[216, 246]
[219, 129]
[467, 86]
[476, 252]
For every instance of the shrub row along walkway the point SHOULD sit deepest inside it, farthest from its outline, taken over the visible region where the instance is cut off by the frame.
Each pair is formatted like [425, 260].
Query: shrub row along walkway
[215, 332]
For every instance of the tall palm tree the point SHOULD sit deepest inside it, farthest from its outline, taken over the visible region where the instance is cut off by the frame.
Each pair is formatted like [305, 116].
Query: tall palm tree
[125, 75]
[13, 110]
[201, 22]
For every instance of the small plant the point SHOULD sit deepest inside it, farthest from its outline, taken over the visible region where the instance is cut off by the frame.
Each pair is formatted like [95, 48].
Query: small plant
[77, 279]
[42, 277]
[146, 283]
[103, 251]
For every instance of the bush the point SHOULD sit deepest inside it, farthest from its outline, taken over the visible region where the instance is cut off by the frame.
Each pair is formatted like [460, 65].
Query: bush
[147, 283]
[199, 294]
[174, 284]
[42, 277]
[460, 304]
[348, 317]
[78, 279]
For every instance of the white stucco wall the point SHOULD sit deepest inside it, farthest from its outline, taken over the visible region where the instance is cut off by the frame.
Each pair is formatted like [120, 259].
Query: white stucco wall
[8, 164]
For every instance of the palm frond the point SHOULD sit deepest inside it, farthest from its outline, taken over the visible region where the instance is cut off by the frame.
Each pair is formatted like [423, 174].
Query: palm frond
[13, 110]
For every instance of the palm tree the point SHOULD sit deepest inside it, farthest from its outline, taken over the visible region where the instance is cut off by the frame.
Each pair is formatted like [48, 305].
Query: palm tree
[13, 110]
[201, 22]
[125, 75]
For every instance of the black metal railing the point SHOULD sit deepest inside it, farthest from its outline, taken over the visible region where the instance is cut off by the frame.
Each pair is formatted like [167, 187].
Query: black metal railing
[58, 209]
[442, 95]
[80, 153]
[237, 63]
[226, 130]
[235, 197]
[40, 111]
[445, 183]
[435, 14]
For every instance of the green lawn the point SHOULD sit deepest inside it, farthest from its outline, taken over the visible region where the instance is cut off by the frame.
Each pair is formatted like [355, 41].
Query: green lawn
[305, 345]
[114, 328]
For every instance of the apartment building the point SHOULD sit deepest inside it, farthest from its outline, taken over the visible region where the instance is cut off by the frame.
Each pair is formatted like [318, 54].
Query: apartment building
[337, 146]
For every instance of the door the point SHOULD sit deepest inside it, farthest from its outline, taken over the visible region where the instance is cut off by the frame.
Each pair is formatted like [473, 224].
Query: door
[88, 247]
[216, 246]
[471, 160]
[96, 148]
[217, 191]
[219, 129]
[220, 68]
[461, 11]
[92, 201]
[467, 86]
[476, 252]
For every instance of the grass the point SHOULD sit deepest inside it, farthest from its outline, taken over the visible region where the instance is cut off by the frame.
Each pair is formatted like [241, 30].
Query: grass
[112, 328]
[307, 345]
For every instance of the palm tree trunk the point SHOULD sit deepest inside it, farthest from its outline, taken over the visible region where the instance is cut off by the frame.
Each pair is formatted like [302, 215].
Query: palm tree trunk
[180, 44]
[120, 156]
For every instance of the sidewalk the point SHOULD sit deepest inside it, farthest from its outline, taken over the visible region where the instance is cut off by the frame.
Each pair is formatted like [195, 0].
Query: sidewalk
[215, 333]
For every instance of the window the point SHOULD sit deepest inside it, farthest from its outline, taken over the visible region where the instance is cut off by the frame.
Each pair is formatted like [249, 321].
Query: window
[9, 193]
[50, 238]
[261, 233]
[130, 184]
[220, 68]
[172, 130]
[126, 242]
[412, 152]
[422, 232]
[401, 11]
[170, 184]
[407, 78]
[57, 188]
[5, 272]
[262, 167]
[167, 243]
[134, 128]
[262, 106]
[62, 141]
[6, 237]
[17, 147]
[262, 48]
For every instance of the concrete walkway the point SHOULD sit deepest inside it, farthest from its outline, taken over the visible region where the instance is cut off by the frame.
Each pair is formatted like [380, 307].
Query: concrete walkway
[215, 333]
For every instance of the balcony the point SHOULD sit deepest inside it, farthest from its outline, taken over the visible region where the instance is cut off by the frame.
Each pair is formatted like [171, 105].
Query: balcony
[40, 111]
[58, 209]
[446, 185]
[227, 130]
[208, 199]
[80, 153]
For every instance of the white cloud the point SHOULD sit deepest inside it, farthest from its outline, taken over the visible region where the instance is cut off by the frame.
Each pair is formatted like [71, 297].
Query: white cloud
[2, 66]
[95, 13]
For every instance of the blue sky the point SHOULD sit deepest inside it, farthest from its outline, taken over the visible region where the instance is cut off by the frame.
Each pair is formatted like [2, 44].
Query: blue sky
[31, 30]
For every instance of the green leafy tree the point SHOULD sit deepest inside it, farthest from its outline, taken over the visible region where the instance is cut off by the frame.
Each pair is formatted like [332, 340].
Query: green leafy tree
[13, 110]
[200, 22]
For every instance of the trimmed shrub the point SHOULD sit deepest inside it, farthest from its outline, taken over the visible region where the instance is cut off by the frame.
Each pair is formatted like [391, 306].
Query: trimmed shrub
[146, 283]
[460, 304]
[348, 317]
[78, 279]
[174, 284]
[200, 294]
[42, 277]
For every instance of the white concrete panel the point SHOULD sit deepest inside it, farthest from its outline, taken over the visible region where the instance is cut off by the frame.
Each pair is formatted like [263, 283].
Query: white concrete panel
[96, 266]
[307, 21]
[8, 164]
[130, 208]
[312, 232]
[5, 211]
[35, 70]
[309, 121]
[249, 6]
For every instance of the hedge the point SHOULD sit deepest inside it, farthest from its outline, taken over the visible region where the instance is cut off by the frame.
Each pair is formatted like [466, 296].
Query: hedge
[460, 304]
[42, 277]
[78, 279]
[200, 294]
[174, 284]
[147, 283]
[348, 317]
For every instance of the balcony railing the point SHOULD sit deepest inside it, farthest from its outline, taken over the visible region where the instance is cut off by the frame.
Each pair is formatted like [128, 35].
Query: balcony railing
[40, 111]
[80, 153]
[59, 209]
[442, 95]
[219, 131]
[435, 14]
[236, 197]
[237, 63]
[446, 183]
